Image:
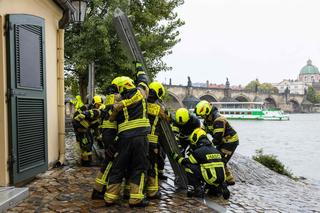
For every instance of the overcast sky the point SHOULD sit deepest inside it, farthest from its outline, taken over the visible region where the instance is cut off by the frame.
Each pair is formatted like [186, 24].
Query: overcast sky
[243, 40]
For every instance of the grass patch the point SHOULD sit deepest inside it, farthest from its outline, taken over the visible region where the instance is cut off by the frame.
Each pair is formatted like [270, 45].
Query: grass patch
[272, 163]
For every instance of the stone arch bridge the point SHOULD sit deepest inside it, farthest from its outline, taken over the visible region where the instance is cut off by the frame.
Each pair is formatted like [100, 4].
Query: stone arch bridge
[179, 94]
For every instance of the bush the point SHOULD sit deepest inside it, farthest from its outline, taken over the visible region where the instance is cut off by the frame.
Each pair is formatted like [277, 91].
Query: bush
[272, 163]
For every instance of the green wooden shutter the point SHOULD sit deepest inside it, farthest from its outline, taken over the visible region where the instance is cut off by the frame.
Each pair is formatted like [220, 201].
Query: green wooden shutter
[26, 96]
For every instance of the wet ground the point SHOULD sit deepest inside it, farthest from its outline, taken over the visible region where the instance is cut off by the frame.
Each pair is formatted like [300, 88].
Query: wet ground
[68, 189]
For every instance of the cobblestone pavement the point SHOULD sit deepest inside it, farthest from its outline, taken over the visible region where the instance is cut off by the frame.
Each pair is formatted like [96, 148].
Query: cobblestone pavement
[257, 189]
[68, 189]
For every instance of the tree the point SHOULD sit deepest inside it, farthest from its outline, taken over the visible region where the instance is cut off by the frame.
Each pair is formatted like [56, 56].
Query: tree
[71, 85]
[255, 86]
[154, 21]
[268, 88]
[312, 95]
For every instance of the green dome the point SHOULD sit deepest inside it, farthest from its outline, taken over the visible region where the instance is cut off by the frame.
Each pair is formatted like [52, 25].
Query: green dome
[309, 69]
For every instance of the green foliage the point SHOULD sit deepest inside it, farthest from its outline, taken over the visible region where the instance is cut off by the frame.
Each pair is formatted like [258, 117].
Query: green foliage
[252, 85]
[166, 97]
[312, 95]
[71, 84]
[256, 86]
[272, 163]
[95, 40]
[268, 88]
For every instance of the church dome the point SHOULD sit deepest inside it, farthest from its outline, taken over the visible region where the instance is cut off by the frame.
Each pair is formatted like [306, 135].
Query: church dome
[309, 69]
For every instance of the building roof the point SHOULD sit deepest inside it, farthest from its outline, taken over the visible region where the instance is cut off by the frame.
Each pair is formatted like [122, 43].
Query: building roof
[309, 69]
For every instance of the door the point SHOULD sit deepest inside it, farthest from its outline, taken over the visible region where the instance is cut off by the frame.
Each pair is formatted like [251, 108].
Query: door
[26, 96]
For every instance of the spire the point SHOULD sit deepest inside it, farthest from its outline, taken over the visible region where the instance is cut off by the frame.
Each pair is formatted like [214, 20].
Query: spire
[227, 84]
[309, 62]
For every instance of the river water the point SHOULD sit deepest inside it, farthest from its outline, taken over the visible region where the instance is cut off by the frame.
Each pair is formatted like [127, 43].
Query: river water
[296, 142]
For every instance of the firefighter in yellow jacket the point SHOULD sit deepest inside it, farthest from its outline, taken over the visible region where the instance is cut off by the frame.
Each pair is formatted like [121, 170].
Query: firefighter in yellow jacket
[204, 164]
[83, 119]
[155, 112]
[133, 128]
[224, 137]
[109, 133]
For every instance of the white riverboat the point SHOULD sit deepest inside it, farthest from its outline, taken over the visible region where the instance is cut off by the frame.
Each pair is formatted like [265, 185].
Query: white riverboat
[250, 111]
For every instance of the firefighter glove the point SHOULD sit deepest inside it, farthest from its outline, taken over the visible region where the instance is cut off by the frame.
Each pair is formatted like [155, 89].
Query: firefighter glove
[80, 117]
[118, 106]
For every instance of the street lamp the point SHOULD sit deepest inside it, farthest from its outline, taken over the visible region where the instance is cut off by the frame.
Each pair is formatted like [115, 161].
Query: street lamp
[80, 7]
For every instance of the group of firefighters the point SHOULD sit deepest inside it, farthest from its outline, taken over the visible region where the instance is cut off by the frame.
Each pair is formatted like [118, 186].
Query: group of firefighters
[127, 126]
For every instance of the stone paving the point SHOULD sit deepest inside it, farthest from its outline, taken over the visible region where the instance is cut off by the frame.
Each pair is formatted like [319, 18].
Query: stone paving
[257, 189]
[68, 189]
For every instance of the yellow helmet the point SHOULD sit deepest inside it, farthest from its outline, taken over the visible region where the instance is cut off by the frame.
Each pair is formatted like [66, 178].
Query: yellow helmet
[182, 116]
[203, 108]
[97, 99]
[123, 83]
[116, 80]
[196, 135]
[158, 88]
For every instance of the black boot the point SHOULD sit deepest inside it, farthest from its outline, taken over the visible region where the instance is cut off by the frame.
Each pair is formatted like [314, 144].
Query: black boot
[96, 195]
[190, 190]
[225, 191]
[156, 196]
[125, 197]
[109, 204]
[214, 191]
[86, 163]
[143, 203]
[199, 191]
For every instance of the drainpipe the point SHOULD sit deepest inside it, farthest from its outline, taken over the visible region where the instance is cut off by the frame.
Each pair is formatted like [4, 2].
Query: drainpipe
[61, 107]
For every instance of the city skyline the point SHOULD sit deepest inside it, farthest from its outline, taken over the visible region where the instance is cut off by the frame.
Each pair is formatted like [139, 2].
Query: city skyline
[241, 40]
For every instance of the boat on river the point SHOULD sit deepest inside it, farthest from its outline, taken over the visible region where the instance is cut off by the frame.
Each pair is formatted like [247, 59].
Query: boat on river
[250, 111]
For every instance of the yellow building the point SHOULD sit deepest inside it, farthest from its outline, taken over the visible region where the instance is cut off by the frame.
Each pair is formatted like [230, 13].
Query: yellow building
[31, 87]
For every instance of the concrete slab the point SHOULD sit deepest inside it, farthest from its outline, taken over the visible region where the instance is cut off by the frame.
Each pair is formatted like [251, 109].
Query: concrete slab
[11, 196]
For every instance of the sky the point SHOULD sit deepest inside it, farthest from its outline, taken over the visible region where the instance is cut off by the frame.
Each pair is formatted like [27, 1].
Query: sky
[270, 40]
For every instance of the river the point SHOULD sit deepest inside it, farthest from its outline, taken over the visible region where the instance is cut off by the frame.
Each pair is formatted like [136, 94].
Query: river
[296, 142]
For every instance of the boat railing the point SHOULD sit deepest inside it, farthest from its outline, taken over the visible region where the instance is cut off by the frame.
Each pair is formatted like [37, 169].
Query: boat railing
[241, 105]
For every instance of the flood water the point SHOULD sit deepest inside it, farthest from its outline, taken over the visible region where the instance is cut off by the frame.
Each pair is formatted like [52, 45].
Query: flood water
[296, 142]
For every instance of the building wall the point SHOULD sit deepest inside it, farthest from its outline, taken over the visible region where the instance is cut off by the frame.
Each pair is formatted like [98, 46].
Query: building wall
[48, 10]
[295, 87]
[310, 78]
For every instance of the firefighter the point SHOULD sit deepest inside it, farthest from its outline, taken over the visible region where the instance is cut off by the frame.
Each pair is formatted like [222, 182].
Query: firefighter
[82, 120]
[77, 103]
[97, 103]
[133, 128]
[155, 112]
[184, 124]
[204, 166]
[109, 133]
[224, 137]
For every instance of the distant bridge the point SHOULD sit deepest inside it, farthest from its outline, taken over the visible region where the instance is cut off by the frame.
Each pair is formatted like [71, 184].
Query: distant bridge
[179, 96]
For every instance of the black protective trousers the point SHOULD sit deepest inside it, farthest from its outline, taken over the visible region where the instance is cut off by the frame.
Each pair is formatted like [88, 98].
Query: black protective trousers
[132, 158]
[83, 136]
[196, 177]
[110, 146]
